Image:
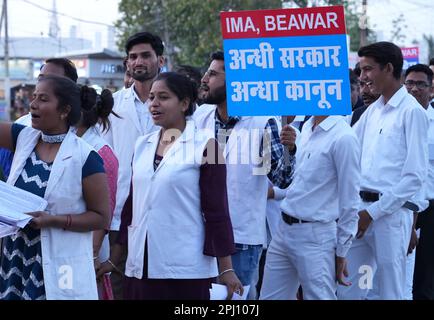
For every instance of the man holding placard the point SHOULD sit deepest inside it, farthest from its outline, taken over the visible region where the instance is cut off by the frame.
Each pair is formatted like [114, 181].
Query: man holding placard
[294, 62]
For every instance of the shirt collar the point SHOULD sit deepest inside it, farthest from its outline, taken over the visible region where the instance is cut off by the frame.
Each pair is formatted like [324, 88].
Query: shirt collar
[231, 120]
[430, 112]
[135, 95]
[326, 124]
[396, 98]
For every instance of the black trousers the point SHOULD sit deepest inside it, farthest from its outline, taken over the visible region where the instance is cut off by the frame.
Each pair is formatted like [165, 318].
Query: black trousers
[423, 280]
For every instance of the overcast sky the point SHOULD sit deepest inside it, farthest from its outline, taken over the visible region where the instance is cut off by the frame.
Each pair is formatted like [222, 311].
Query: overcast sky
[28, 20]
[417, 15]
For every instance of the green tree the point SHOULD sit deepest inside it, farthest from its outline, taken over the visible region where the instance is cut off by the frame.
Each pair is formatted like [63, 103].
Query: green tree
[399, 28]
[429, 39]
[191, 30]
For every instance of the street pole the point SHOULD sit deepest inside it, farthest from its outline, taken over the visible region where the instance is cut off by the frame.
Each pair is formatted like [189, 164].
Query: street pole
[7, 88]
[364, 27]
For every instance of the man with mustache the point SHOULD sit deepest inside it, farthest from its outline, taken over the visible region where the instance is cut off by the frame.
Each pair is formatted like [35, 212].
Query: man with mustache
[367, 97]
[144, 61]
[393, 136]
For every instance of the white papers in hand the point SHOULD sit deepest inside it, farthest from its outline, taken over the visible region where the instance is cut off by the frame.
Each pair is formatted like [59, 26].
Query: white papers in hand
[7, 230]
[14, 203]
[220, 292]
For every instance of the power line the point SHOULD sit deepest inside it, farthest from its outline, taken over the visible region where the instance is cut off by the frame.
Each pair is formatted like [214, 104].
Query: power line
[66, 15]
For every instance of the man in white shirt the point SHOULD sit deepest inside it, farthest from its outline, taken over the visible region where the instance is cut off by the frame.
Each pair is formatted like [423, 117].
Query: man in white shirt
[418, 81]
[144, 61]
[393, 136]
[319, 214]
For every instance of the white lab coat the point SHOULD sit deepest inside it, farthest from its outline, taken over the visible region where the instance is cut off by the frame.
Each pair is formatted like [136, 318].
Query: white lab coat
[167, 210]
[66, 255]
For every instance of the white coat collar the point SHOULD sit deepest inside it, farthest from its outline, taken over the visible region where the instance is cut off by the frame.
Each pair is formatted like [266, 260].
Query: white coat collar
[129, 107]
[187, 135]
[61, 161]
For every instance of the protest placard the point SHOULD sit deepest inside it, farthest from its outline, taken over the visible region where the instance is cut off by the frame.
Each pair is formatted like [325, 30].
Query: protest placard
[286, 62]
[411, 56]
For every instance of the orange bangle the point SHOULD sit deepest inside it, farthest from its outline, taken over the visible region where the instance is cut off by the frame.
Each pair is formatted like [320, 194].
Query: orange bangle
[68, 222]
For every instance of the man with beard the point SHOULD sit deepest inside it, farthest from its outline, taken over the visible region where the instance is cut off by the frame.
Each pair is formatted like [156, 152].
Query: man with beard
[367, 97]
[257, 140]
[144, 60]
[393, 136]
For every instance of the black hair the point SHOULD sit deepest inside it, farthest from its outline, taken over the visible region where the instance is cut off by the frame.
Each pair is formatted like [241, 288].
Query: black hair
[145, 37]
[354, 79]
[190, 72]
[357, 69]
[181, 86]
[431, 62]
[67, 93]
[96, 108]
[67, 65]
[383, 53]
[421, 68]
[217, 55]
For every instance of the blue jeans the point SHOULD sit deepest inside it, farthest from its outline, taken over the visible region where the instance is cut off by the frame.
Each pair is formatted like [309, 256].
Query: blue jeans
[246, 261]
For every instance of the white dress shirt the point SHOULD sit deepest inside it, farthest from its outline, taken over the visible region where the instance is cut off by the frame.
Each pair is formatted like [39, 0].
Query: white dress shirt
[326, 186]
[429, 184]
[142, 109]
[394, 151]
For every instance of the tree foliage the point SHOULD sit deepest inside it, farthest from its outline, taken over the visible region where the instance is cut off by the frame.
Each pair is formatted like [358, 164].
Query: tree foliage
[190, 29]
[429, 39]
[399, 30]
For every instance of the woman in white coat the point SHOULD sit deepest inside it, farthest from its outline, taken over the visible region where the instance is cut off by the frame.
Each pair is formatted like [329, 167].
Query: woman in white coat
[51, 258]
[179, 233]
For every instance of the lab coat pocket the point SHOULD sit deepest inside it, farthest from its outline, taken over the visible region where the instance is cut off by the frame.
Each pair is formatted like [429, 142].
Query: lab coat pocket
[183, 247]
[75, 278]
[136, 245]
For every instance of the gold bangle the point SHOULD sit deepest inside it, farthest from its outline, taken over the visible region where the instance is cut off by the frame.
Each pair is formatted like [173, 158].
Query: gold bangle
[226, 271]
[113, 265]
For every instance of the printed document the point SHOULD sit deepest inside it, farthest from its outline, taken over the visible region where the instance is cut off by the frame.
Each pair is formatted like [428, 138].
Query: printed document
[14, 204]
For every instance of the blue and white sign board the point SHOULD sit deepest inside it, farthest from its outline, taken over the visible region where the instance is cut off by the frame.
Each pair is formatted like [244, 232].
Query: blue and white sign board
[286, 62]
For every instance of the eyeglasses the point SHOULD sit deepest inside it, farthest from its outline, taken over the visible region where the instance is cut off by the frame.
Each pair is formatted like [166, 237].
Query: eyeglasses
[418, 84]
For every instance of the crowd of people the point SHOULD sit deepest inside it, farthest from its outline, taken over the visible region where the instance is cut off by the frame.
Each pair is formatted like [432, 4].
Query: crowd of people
[155, 192]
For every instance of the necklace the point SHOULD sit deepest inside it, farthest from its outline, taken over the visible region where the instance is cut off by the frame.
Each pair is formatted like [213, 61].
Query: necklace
[57, 138]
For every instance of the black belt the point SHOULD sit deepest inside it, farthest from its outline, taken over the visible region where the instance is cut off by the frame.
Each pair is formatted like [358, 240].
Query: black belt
[375, 196]
[290, 220]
